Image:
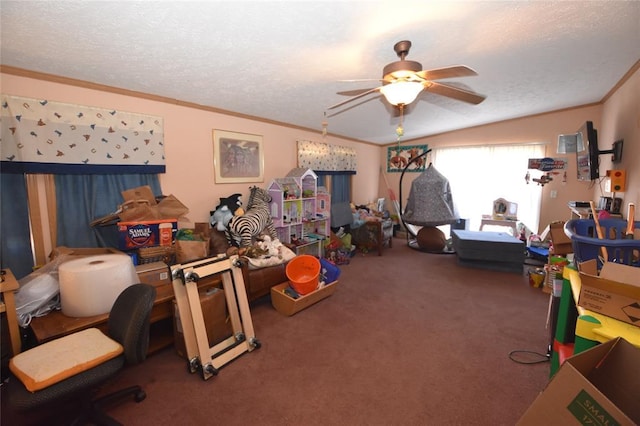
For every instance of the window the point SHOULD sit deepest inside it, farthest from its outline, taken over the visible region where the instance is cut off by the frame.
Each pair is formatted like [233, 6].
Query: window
[16, 235]
[337, 183]
[83, 198]
[79, 200]
[478, 175]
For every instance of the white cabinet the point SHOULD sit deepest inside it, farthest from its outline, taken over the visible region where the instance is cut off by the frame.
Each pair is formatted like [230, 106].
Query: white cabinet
[300, 212]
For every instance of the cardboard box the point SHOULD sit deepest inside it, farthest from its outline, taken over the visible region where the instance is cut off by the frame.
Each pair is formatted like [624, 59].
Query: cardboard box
[217, 323]
[599, 386]
[287, 305]
[76, 253]
[614, 293]
[561, 243]
[135, 235]
[155, 273]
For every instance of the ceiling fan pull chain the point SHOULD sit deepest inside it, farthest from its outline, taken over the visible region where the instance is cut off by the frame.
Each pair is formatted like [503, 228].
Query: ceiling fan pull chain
[324, 126]
[400, 129]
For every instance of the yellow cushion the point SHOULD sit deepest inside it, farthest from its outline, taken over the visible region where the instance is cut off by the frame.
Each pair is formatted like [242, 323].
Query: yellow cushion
[59, 359]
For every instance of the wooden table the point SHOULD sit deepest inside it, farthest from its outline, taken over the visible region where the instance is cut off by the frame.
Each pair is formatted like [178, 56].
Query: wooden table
[512, 224]
[56, 324]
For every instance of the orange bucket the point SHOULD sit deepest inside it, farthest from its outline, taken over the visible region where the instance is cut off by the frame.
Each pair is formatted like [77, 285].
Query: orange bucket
[303, 272]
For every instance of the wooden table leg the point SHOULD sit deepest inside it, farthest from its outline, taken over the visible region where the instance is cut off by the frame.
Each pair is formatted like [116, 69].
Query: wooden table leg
[8, 287]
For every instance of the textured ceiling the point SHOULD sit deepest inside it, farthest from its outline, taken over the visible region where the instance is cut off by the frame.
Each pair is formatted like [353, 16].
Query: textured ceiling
[282, 60]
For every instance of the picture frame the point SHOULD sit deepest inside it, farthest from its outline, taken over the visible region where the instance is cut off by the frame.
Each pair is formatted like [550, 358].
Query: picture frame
[237, 157]
[399, 156]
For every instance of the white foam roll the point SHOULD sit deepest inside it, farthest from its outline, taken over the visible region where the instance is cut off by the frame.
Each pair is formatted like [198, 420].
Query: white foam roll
[90, 285]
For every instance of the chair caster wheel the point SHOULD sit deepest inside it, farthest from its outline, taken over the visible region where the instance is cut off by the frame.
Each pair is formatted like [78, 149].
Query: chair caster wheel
[255, 343]
[210, 369]
[140, 396]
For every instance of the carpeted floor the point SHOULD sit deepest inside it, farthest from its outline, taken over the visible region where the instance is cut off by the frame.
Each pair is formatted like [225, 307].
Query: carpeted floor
[408, 338]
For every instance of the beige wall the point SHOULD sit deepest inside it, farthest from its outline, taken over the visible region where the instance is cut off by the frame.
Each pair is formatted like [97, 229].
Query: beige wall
[617, 118]
[189, 147]
[621, 120]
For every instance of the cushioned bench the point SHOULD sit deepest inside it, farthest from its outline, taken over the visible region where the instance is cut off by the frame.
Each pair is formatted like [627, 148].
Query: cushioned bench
[497, 251]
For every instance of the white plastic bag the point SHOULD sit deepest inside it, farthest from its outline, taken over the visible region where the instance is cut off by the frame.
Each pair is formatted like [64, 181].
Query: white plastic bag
[39, 293]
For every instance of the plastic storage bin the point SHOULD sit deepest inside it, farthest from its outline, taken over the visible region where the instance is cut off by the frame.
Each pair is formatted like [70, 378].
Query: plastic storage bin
[586, 244]
[303, 272]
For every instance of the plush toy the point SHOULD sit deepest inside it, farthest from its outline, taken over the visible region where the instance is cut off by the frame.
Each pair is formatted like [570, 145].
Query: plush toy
[270, 247]
[228, 207]
[244, 229]
[234, 203]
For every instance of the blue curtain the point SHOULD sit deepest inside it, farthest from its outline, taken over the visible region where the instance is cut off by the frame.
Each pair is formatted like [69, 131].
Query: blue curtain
[84, 198]
[340, 188]
[15, 234]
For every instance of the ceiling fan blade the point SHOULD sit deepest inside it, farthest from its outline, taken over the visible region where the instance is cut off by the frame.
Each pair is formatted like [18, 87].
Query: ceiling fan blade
[454, 92]
[354, 98]
[355, 92]
[357, 80]
[447, 72]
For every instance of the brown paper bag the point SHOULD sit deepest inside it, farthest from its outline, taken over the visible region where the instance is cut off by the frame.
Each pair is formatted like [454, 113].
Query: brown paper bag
[139, 193]
[188, 250]
[137, 210]
[171, 208]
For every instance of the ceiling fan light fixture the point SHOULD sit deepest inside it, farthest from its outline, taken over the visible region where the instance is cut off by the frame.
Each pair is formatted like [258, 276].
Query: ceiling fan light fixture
[401, 92]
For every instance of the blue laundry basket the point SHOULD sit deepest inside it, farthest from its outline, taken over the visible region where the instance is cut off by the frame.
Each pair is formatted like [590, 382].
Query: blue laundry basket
[587, 245]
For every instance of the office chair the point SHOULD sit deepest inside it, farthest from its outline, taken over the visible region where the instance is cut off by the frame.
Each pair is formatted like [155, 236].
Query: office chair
[128, 324]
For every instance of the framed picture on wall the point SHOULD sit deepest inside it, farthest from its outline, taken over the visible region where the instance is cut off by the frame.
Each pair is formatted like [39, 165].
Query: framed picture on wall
[237, 157]
[399, 156]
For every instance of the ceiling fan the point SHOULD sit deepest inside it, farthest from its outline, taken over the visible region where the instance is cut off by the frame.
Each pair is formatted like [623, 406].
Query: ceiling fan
[403, 80]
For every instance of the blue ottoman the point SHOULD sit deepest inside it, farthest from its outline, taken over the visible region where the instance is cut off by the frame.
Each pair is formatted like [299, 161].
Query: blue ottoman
[497, 251]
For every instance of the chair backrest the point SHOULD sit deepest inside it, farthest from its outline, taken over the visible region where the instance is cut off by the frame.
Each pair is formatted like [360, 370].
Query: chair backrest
[129, 320]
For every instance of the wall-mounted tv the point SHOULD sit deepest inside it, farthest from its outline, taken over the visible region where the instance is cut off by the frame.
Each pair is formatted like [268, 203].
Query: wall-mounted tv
[588, 158]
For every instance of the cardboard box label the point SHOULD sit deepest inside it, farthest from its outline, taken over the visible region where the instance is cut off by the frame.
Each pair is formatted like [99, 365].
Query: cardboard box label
[588, 412]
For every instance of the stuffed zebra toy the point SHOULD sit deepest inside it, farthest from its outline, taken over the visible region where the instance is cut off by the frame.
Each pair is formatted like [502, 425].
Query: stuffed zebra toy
[243, 229]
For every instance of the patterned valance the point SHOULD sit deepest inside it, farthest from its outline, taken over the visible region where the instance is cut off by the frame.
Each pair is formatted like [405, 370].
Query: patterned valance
[41, 136]
[323, 157]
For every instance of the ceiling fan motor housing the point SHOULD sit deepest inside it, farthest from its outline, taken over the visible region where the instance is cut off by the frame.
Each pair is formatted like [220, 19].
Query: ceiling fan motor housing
[400, 69]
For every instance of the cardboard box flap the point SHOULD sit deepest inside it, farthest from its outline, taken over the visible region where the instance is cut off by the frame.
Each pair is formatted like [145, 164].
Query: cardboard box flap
[593, 387]
[586, 361]
[612, 271]
[617, 379]
[614, 277]
[621, 273]
[555, 233]
[589, 267]
[627, 290]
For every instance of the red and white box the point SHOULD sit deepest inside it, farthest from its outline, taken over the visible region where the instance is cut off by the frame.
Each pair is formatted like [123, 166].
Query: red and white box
[148, 233]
